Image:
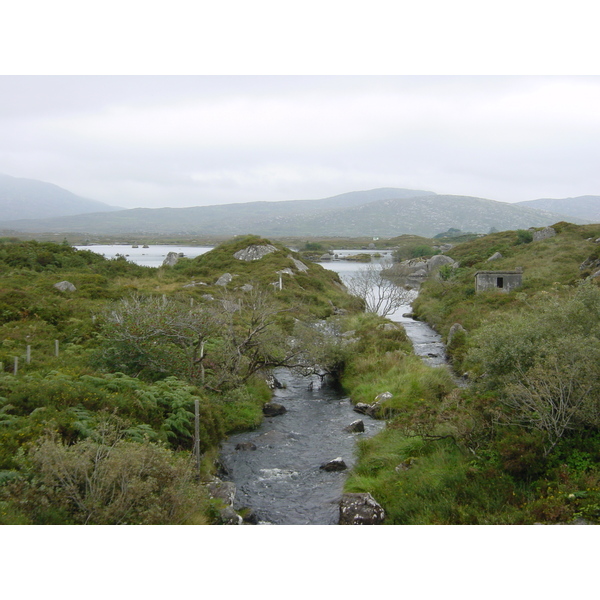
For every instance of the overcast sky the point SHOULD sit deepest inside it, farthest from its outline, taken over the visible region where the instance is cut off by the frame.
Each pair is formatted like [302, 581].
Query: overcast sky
[176, 141]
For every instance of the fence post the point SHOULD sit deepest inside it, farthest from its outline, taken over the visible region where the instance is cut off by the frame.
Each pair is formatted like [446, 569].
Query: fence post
[55, 347]
[28, 355]
[16, 366]
[197, 435]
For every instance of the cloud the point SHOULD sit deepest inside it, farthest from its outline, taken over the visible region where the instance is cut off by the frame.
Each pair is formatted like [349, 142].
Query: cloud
[176, 141]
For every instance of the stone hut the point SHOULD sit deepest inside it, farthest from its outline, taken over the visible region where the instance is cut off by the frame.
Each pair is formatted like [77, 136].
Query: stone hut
[505, 281]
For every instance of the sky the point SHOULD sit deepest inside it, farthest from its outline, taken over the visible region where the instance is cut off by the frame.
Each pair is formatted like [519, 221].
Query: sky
[226, 102]
[154, 141]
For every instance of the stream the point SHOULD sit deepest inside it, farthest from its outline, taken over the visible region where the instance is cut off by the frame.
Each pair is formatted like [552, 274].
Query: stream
[280, 478]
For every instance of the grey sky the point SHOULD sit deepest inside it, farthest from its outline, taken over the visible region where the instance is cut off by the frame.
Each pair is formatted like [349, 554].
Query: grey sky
[194, 140]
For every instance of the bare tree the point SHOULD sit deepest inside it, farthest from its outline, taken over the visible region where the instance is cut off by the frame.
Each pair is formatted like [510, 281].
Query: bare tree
[379, 294]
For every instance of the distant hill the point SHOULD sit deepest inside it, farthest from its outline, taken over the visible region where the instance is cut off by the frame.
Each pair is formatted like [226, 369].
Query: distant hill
[33, 199]
[581, 207]
[386, 212]
[223, 219]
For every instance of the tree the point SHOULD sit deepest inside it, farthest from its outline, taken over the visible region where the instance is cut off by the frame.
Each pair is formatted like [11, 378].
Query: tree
[380, 295]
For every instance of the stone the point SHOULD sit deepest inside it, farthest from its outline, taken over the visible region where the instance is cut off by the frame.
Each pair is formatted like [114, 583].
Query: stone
[245, 446]
[384, 396]
[495, 256]
[357, 426]
[171, 259]
[337, 464]
[454, 330]
[543, 234]
[247, 287]
[223, 490]
[224, 279]
[272, 409]
[228, 516]
[361, 408]
[299, 264]
[254, 252]
[439, 260]
[360, 509]
[65, 286]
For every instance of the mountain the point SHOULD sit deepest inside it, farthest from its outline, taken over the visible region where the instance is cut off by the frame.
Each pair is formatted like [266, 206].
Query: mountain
[581, 207]
[387, 212]
[224, 219]
[33, 199]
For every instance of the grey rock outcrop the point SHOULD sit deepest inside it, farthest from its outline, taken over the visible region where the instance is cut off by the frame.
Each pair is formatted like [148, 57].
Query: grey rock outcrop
[254, 252]
[337, 464]
[225, 491]
[495, 256]
[224, 279]
[543, 234]
[171, 259]
[298, 264]
[65, 286]
[360, 509]
[439, 260]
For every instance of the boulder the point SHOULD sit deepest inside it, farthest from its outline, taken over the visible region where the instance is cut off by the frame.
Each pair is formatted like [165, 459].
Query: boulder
[361, 408]
[171, 259]
[254, 252]
[223, 490]
[337, 464]
[495, 256]
[245, 446]
[65, 286]
[228, 516]
[384, 396]
[437, 261]
[454, 330]
[272, 409]
[360, 509]
[357, 426]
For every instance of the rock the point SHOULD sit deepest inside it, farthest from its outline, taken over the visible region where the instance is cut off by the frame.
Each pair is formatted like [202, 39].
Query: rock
[65, 286]
[273, 382]
[224, 279]
[360, 509]
[223, 490]
[355, 427]
[361, 408]
[245, 446]
[286, 271]
[298, 264]
[596, 274]
[543, 234]
[228, 516]
[194, 284]
[405, 465]
[254, 252]
[251, 518]
[439, 260]
[383, 397]
[171, 259]
[247, 287]
[454, 330]
[272, 409]
[495, 256]
[337, 464]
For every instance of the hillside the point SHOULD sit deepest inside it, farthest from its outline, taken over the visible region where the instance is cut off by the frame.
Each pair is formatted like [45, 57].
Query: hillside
[33, 199]
[580, 207]
[385, 212]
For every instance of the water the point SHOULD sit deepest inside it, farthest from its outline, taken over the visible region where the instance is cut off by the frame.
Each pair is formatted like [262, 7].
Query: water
[153, 256]
[427, 343]
[281, 480]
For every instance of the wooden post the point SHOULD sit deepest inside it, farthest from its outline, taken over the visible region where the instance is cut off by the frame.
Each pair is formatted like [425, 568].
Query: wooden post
[197, 435]
[28, 355]
[16, 366]
[55, 347]
[280, 283]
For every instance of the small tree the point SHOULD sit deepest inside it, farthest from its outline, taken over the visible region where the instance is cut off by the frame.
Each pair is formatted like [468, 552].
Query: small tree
[380, 295]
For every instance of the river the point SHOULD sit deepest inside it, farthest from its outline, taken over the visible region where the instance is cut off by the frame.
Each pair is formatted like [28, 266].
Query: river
[280, 479]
